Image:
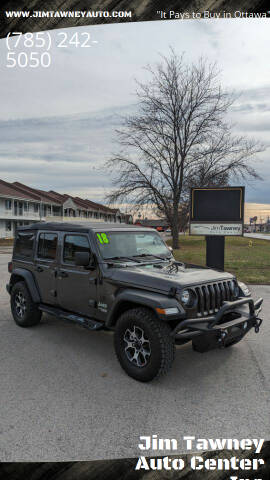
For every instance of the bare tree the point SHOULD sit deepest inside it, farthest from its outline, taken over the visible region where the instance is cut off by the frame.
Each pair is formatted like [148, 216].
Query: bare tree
[179, 137]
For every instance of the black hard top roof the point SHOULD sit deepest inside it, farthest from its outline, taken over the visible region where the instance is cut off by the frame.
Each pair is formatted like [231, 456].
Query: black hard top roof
[81, 226]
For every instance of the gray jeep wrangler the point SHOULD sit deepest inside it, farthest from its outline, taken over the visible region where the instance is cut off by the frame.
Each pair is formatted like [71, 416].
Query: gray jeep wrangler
[125, 278]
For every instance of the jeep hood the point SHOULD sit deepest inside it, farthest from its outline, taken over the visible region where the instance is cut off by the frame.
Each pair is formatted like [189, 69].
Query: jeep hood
[162, 278]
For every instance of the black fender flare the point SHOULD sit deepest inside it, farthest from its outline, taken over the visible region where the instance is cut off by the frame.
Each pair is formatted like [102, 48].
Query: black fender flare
[29, 279]
[144, 298]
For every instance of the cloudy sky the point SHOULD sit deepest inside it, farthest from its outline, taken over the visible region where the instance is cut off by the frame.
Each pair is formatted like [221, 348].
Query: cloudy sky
[57, 124]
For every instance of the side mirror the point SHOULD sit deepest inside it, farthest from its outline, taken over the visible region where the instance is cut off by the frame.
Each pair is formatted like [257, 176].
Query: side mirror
[82, 259]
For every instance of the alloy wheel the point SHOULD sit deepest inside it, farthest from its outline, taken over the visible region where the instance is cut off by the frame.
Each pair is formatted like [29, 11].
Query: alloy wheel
[137, 346]
[20, 304]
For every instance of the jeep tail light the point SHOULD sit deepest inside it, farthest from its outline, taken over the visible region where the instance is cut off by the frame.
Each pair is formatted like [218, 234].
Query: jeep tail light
[10, 267]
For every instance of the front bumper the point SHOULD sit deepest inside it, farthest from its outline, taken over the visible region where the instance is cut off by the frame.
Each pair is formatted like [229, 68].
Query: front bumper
[229, 325]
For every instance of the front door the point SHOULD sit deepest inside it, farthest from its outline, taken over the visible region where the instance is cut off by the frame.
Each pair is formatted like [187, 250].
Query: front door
[76, 286]
[45, 266]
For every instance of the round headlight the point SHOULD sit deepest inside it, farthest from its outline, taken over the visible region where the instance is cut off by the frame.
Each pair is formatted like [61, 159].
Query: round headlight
[234, 289]
[185, 297]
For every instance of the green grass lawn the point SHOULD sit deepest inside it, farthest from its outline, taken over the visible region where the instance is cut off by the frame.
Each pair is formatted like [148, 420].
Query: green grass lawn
[247, 258]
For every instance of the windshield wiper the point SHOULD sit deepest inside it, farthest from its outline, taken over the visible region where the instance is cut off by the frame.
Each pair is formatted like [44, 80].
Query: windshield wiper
[151, 255]
[131, 259]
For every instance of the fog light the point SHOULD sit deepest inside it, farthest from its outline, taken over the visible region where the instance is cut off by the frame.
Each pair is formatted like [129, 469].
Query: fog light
[171, 311]
[168, 311]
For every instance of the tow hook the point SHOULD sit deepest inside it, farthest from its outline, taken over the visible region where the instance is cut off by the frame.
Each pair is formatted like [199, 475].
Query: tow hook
[222, 338]
[257, 325]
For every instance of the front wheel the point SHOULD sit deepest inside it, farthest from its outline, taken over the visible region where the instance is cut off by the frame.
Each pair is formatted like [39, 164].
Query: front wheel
[143, 344]
[25, 312]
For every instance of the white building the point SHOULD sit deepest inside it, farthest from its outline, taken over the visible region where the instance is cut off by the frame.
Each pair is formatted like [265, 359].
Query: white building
[21, 205]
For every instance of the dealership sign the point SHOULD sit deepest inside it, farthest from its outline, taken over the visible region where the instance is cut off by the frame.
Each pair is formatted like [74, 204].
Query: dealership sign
[217, 211]
[216, 229]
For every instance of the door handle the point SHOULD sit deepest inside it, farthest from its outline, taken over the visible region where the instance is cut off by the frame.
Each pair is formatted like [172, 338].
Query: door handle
[63, 274]
[39, 269]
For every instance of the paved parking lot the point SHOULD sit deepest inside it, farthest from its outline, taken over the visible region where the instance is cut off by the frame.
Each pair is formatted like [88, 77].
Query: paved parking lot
[63, 395]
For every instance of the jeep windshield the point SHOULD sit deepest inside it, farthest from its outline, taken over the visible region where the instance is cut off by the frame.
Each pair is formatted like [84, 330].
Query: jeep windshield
[132, 246]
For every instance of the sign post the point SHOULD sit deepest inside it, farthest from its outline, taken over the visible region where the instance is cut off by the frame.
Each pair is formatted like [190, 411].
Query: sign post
[216, 213]
[215, 248]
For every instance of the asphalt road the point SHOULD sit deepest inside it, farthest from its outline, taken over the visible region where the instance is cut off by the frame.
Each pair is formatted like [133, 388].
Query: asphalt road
[63, 395]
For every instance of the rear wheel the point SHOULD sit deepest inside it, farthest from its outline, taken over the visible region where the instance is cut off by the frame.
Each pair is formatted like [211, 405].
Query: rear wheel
[143, 344]
[25, 312]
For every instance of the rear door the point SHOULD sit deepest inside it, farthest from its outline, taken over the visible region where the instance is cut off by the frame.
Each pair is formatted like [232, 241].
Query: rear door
[76, 286]
[45, 266]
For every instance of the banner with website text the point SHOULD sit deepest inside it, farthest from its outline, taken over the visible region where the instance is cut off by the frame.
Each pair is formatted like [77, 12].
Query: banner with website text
[134, 202]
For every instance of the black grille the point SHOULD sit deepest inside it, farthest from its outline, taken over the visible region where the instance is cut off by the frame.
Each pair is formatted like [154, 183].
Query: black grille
[211, 296]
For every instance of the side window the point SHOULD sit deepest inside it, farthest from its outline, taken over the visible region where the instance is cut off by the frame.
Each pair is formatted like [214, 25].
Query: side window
[8, 204]
[24, 244]
[47, 245]
[73, 244]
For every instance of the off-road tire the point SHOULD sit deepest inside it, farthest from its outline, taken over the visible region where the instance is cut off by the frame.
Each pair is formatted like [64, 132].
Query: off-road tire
[158, 334]
[32, 314]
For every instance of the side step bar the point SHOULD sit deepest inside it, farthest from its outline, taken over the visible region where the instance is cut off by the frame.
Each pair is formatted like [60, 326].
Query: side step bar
[84, 321]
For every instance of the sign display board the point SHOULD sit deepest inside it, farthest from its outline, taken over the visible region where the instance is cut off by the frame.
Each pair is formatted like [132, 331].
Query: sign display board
[217, 211]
